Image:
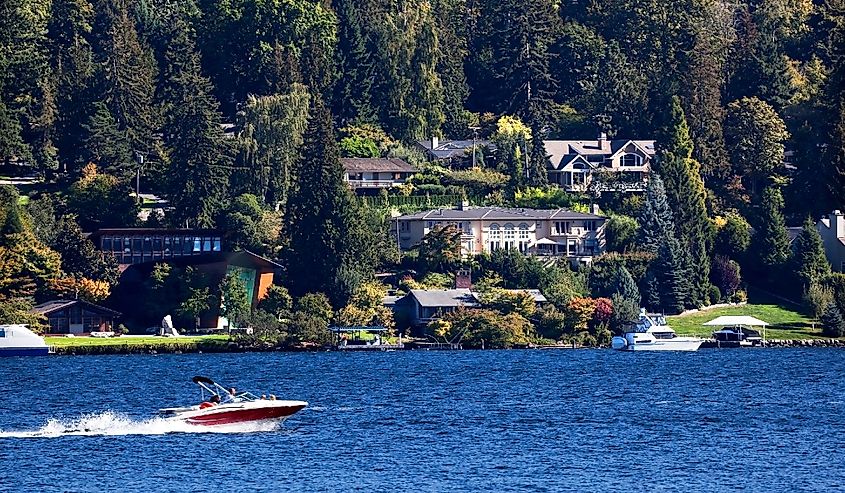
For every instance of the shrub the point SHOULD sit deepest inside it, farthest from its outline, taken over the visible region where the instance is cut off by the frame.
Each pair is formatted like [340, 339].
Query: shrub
[739, 297]
[834, 325]
[620, 233]
[715, 295]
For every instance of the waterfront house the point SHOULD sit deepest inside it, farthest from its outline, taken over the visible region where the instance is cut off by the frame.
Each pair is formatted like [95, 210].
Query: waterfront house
[832, 231]
[421, 306]
[600, 165]
[76, 317]
[138, 250]
[365, 174]
[575, 236]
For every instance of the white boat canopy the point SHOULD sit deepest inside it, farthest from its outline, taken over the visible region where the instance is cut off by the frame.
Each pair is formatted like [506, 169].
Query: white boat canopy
[727, 320]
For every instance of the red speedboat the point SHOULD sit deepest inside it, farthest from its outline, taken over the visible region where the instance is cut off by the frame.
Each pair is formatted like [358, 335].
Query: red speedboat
[223, 408]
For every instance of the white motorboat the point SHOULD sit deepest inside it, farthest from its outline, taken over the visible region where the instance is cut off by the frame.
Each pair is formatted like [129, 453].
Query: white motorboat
[18, 340]
[224, 408]
[652, 334]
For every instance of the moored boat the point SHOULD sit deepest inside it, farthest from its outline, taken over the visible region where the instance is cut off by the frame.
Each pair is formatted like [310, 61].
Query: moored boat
[225, 408]
[651, 333]
[19, 340]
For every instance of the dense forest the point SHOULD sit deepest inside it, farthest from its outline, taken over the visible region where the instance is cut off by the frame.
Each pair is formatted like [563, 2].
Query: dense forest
[237, 111]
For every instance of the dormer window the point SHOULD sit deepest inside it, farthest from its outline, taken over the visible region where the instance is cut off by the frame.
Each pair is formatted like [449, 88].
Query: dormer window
[631, 160]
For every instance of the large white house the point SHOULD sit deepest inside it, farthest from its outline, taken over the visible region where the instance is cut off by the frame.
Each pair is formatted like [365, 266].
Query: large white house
[832, 231]
[552, 232]
[600, 165]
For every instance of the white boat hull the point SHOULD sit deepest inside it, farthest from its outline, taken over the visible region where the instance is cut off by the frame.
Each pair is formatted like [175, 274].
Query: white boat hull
[676, 344]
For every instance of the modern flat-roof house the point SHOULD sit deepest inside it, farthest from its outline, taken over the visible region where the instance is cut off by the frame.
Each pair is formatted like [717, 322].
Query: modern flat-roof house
[374, 173]
[137, 250]
[600, 165]
[138, 245]
[576, 236]
[832, 231]
[76, 317]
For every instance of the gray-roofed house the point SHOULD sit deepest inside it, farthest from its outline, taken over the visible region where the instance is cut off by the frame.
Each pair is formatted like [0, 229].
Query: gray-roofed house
[421, 306]
[832, 231]
[600, 165]
[549, 232]
[453, 152]
[375, 173]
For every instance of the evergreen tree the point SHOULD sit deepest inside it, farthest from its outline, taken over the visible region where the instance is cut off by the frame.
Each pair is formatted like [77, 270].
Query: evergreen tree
[451, 27]
[537, 174]
[12, 145]
[834, 325]
[686, 195]
[809, 262]
[771, 239]
[200, 155]
[625, 285]
[105, 144]
[353, 93]
[327, 238]
[72, 62]
[79, 256]
[126, 75]
[667, 282]
[656, 218]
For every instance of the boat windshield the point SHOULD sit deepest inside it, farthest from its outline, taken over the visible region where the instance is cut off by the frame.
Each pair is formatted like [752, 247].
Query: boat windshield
[663, 335]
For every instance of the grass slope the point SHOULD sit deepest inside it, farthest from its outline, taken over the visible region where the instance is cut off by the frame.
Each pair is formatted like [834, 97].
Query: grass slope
[787, 321]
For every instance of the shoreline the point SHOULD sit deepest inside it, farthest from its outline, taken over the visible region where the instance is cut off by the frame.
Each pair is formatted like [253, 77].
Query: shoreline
[234, 347]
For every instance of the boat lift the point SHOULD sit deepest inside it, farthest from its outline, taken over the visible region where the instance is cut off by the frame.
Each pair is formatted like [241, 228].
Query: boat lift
[341, 343]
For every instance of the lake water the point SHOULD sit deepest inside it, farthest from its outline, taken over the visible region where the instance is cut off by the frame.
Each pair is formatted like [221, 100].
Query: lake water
[586, 420]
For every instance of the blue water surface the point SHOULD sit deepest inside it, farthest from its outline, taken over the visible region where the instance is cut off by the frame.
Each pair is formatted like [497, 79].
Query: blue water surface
[560, 420]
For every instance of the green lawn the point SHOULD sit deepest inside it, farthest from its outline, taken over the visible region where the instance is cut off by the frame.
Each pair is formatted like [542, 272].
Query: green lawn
[787, 321]
[127, 341]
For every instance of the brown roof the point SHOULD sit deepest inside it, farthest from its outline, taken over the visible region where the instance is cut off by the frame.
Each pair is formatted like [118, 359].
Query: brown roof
[54, 305]
[387, 165]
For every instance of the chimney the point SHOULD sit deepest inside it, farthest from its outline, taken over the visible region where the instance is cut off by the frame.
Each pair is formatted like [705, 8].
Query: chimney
[463, 204]
[602, 140]
[435, 142]
[594, 209]
[837, 224]
[463, 279]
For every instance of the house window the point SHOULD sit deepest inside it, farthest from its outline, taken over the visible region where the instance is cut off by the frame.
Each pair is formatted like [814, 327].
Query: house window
[563, 227]
[573, 248]
[590, 225]
[106, 244]
[495, 233]
[631, 160]
[510, 233]
[523, 232]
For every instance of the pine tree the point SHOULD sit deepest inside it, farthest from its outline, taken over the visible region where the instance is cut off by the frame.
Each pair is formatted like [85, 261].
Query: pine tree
[327, 237]
[126, 74]
[200, 155]
[625, 285]
[809, 262]
[686, 195]
[667, 283]
[353, 93]
[537, 174]
[104, 143]
[656, 218]
[12, 145]
[770, 237]
[72, 63]
[834, 325]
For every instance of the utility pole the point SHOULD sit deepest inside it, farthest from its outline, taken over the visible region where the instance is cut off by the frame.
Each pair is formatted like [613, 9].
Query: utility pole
[140, 157]
[474, 139]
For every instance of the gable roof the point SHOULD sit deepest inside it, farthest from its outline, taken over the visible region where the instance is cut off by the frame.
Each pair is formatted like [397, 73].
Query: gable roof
[563, 150]
[387, 165]
[51, 306]
[498, 214]
[433, 298]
